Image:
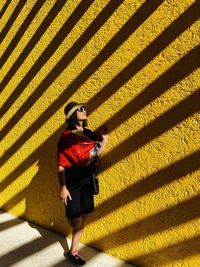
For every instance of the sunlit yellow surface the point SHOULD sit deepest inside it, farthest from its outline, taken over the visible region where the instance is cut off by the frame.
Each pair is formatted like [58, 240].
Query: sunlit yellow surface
[135, 64]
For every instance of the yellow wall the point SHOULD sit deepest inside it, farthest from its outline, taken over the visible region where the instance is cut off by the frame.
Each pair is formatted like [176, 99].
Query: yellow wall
[135, 63]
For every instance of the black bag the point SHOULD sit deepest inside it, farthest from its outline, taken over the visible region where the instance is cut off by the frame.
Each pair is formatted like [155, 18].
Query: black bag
[95, 184]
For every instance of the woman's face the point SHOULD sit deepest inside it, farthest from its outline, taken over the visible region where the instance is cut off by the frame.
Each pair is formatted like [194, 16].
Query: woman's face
[81, 114]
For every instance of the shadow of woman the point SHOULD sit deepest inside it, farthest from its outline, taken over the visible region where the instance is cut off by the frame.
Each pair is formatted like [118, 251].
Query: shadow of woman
[43, 206]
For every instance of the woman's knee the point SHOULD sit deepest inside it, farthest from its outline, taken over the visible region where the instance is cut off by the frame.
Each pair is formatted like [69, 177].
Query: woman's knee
[77, 224]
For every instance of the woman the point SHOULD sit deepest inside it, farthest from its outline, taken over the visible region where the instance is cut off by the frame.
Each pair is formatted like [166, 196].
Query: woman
[75, 171]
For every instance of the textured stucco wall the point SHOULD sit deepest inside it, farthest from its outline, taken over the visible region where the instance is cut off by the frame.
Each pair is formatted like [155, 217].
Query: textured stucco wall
[135, 63]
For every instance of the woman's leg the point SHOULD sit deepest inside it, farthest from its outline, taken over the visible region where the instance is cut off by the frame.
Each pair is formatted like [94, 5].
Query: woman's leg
[77, 225]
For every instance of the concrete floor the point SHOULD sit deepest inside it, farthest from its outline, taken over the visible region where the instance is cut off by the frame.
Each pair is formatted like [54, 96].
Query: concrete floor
[27, 245]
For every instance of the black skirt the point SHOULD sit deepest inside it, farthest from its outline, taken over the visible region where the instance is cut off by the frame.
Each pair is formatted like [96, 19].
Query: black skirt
[82, 201]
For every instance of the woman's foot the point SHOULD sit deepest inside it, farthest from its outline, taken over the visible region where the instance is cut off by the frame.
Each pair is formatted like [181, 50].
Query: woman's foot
[75, 258]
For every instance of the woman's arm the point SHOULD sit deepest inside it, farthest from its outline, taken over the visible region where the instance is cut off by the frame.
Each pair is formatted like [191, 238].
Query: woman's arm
[103, 144]
[104, 135]
[61, 176]
[64, 192]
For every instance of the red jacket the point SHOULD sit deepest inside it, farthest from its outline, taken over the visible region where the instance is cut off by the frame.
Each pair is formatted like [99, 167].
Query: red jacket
[75, 149]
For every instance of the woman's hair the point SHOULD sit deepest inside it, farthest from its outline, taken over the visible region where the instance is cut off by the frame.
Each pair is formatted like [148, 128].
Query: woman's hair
[72, 122]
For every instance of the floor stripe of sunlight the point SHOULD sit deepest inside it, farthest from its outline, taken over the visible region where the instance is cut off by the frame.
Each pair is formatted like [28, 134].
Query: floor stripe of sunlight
[27, 244]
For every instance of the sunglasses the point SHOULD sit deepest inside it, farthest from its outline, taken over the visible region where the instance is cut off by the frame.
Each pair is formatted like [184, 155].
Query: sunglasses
[82, 109]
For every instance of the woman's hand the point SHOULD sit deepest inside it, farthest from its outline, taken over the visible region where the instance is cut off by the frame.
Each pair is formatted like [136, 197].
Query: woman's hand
[64, 194]
[104, 132]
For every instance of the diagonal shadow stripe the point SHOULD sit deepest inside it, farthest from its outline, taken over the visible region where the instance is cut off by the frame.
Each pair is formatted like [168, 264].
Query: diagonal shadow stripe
[157, 127]
[150, 183]
[12, 19]
[181, 69]
[15, 200]
[165, 219]
[53, 139]
[9, 224]
[160, 43]
[54, 44]
[58, 102]
[4, 8]
[26, 250]
[32, 42]
[182, 250]
[35, 9]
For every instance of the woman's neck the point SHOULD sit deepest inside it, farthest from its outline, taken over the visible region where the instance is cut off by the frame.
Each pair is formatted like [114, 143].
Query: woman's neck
[80, 123]
[79, 127]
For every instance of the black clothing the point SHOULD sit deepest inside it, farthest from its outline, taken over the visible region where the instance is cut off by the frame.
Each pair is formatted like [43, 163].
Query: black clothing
[78, 182]
[82, 201]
